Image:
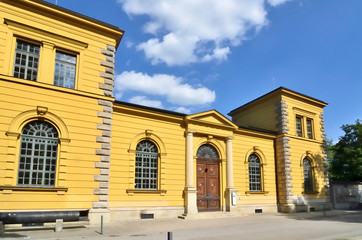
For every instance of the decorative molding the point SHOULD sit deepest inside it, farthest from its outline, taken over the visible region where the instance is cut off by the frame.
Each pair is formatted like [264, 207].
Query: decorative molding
[229, 138]
[64, 140]
[258, 152]
[131, 192]
[148, 133]
[247, 193]
[13, 134]
[23, 118]
[300, 111]
[41, 111]
[33, 189]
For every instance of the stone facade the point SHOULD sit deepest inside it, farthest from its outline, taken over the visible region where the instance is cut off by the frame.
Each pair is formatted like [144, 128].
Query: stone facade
[284, 169]
[106, 127]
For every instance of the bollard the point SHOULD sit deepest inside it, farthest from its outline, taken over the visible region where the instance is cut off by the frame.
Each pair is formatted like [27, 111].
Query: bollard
[169, 235]
[101, 224]
[58, 225]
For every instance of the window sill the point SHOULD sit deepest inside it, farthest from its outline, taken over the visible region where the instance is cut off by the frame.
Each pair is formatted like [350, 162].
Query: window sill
[131, 192]
[305, 139]
[256, 192]
[309, 193]
[10, 189]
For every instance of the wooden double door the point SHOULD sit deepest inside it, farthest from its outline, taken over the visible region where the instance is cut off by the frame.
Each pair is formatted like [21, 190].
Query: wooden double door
[208, 189]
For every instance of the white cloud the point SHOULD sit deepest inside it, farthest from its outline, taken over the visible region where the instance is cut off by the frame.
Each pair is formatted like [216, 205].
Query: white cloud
[169, 86]
[142, 100]
[129, 44]
[189, 31]
[182, 110]
[277, 2]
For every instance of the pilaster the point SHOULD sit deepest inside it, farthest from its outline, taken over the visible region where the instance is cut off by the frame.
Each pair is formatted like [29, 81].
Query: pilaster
[230, 190]
[190, 192]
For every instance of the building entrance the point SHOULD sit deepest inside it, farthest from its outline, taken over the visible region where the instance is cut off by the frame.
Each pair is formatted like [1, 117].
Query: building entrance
[208, 190]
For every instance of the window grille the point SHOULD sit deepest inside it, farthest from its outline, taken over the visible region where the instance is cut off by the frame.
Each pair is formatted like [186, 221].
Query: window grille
[146, 166]
[64, 72]
[308, 177]
[207, 151]
[38, 155]
[26, 60]
[254, 173]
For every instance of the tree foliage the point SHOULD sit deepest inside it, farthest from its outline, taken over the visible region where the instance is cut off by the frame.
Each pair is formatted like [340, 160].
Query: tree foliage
[346, 164]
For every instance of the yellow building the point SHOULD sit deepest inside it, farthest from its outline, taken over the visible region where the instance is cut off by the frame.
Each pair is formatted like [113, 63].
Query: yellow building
[66, 145]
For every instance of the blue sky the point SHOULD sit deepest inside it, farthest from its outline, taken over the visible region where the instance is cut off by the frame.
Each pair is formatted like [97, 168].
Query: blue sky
[191, 56]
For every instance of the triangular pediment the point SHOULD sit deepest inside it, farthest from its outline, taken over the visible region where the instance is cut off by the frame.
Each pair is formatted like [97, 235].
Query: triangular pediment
[212, 117]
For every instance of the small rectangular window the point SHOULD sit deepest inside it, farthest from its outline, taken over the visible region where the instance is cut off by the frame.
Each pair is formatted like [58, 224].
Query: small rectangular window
[64, 72]
[26, 60]
[298, 121]
[310, 128]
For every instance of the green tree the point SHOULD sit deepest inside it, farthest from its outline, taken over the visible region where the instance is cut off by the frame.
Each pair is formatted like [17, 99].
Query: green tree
[329, 148]
[346, 164]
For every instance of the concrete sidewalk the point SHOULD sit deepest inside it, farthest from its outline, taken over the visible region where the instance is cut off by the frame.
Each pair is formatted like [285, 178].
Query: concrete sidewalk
[314, 225]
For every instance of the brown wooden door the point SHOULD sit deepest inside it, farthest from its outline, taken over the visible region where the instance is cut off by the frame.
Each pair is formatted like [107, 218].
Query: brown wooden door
[208, 192]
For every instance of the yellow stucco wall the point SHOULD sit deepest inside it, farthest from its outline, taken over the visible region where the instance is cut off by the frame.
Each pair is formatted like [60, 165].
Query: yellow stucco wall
[130, 126]
[261, 114]
[244, 145]
[298, 153]
[20, 21]
[76, 171]
[301, 147]
[73, 112]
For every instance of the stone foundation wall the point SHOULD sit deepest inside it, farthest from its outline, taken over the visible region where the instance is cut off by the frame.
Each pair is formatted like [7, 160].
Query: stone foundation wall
[135, 212]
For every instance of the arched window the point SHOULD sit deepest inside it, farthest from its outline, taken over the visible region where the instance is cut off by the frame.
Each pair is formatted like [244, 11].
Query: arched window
[146, 166]
[308, 176]
[207, 151]
[38, 155]
[254, 173]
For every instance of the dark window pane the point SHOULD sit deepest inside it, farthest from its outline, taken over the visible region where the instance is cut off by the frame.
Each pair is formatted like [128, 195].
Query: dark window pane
[26, 60]
[37, 140]
[146, 162]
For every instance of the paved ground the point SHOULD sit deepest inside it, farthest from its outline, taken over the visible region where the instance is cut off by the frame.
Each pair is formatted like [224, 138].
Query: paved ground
[333, 225]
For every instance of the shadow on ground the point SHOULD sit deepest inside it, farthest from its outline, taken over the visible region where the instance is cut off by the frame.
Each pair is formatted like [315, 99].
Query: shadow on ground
[14, 235]
[354, 216]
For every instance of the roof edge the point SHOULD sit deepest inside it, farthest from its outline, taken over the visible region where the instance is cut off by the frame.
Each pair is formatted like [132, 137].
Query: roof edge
[61, 11]
[280, 89]
[158, 110]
